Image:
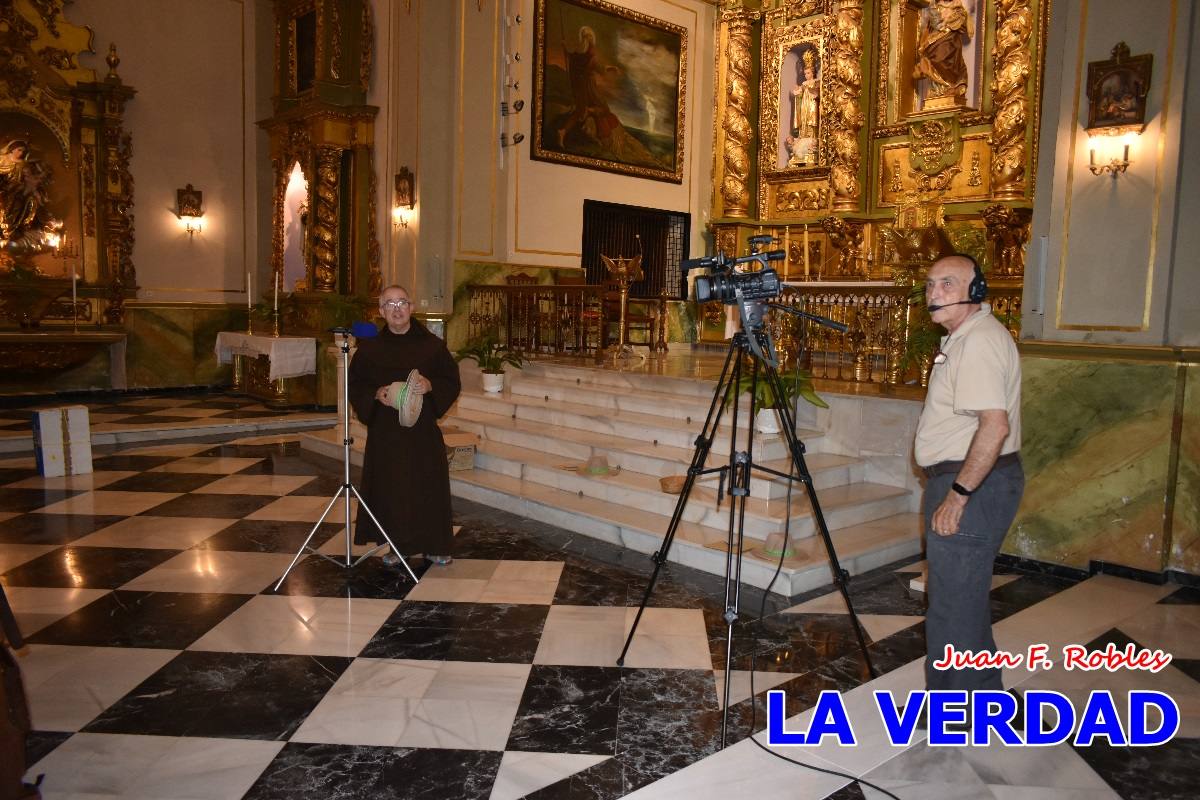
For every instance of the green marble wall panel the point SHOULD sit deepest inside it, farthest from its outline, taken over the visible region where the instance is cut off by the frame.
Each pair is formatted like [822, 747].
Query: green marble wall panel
[1185, 521]
[173, 345]
[1096, 444]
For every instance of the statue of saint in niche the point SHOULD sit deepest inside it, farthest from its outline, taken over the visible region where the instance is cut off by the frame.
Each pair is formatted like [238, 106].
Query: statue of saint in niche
[944, 33]
[806, 101]
[26, 226]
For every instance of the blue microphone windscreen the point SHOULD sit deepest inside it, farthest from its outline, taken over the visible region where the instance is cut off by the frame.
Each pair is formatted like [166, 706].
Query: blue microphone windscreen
[364, 330]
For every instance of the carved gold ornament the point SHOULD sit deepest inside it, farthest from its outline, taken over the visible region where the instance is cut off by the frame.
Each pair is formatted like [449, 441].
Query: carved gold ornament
[735, 193]
[1008, 230]
[1012, 65]
[843, 62]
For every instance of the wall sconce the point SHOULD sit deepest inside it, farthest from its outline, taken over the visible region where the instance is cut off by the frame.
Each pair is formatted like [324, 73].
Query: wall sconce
[1108, 161]
[403, 198]
[1116, 91]
[189, 203]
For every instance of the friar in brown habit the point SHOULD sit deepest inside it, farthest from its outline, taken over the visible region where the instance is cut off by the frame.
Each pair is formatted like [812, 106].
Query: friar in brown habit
[406, 480]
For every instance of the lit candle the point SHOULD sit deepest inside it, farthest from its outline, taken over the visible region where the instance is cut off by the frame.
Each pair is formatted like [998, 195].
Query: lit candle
[1092, 157]
[277, 292]
[1126, 158]
[249, 293]
[806, 251]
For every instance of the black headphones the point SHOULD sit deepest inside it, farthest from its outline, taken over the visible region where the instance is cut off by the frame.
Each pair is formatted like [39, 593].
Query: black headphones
[977, 291]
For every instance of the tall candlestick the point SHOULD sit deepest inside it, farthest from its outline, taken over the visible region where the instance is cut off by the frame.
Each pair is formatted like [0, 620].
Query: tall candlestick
[787, 251]
[276, 292]
[806, 251]
[249, 294]
[74, 298]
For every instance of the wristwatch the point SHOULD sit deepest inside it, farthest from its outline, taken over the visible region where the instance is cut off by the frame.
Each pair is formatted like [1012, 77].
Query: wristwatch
[960, 489]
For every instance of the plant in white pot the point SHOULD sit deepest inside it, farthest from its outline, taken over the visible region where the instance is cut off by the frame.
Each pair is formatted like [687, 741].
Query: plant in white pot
[491, 356]
[796, 383]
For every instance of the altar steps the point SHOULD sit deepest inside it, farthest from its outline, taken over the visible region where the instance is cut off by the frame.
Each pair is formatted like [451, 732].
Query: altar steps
[552, 418]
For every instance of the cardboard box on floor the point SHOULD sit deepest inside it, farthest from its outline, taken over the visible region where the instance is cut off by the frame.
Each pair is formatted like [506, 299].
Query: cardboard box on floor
[62, 441]
[460, 448]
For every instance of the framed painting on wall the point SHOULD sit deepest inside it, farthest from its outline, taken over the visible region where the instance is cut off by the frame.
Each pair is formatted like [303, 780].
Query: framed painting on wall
[609, 89]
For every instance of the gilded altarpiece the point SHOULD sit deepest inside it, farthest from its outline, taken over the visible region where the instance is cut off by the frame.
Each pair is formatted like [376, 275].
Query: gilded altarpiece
[66, 196]
[888, 134]
[322, 141]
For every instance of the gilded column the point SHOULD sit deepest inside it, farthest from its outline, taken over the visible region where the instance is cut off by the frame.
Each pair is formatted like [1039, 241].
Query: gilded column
[279, 169]
[1012, 64]
[847, 116]
[325, 245]
[739, 135]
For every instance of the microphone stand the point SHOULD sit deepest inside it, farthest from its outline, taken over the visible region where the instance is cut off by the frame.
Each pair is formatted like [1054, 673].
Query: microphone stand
[347, 487]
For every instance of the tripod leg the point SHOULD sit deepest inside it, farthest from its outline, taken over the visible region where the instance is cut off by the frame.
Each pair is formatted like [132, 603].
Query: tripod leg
[362, 504]
[699, 456]
[308, 539]
[840, 575]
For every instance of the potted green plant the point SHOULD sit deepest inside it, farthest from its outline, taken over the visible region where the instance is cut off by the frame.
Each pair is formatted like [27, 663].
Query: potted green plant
[491, 356]
[796, 383]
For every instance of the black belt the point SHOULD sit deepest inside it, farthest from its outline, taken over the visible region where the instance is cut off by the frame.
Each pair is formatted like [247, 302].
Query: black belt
[948, 467]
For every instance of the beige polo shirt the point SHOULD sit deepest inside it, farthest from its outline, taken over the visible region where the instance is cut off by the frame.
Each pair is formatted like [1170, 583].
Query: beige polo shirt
[980, 371]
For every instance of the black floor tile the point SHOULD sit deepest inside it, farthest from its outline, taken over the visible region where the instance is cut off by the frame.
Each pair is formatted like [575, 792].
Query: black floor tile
[220, 506]
[13, 474]
[167, 620]
[136, 463]
[224, 695]
[317, 577]
[568, 710]
[264, 451]
[87, 567]
[39, 744]
[52, 528]
[155, 419]
[268, 536]
[1185, 595]
[325, 771]
[162, 482]
[23, 500]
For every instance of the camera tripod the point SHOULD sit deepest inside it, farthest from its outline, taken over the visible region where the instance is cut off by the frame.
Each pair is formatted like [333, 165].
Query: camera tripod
[346, 489]
[749, 344]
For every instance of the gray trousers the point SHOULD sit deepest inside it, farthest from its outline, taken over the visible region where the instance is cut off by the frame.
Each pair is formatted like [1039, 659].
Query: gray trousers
[960, 574]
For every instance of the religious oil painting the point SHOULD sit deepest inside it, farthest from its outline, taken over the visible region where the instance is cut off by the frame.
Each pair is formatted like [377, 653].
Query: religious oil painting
[1117, 90]
[609, 89]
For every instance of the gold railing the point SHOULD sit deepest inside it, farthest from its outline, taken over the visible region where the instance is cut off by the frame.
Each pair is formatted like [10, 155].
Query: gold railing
[889, 341]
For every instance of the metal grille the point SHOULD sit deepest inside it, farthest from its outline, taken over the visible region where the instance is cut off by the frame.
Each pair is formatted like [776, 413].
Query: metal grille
[617, 230]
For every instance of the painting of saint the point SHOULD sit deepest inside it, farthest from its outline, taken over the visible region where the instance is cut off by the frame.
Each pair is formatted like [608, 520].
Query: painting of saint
[608, 89]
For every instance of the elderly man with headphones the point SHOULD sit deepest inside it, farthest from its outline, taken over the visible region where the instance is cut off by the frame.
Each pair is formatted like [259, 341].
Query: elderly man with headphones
[967, 442]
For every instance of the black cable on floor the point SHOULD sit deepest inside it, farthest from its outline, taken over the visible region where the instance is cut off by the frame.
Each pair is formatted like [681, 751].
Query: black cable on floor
[762, 612]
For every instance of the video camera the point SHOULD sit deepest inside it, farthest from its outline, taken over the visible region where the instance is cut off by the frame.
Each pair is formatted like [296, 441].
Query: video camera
[725, 284]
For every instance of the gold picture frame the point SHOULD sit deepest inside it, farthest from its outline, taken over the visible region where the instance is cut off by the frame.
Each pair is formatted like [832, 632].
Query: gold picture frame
[597, 107]
[1116, 92]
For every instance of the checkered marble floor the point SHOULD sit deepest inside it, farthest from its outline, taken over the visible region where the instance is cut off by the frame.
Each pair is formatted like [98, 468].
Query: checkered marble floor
[161, 664]
[140, 417]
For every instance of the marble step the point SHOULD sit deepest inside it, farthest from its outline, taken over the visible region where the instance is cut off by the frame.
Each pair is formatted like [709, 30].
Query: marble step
[624, 424]
[859, 547]
[693, 410]
[641, 456]
[631, 382]
[843, 504]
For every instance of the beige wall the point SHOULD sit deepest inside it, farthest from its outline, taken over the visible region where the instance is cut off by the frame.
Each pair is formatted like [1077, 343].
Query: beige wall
[446, 71]
[1102, 251]
[192, 121]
